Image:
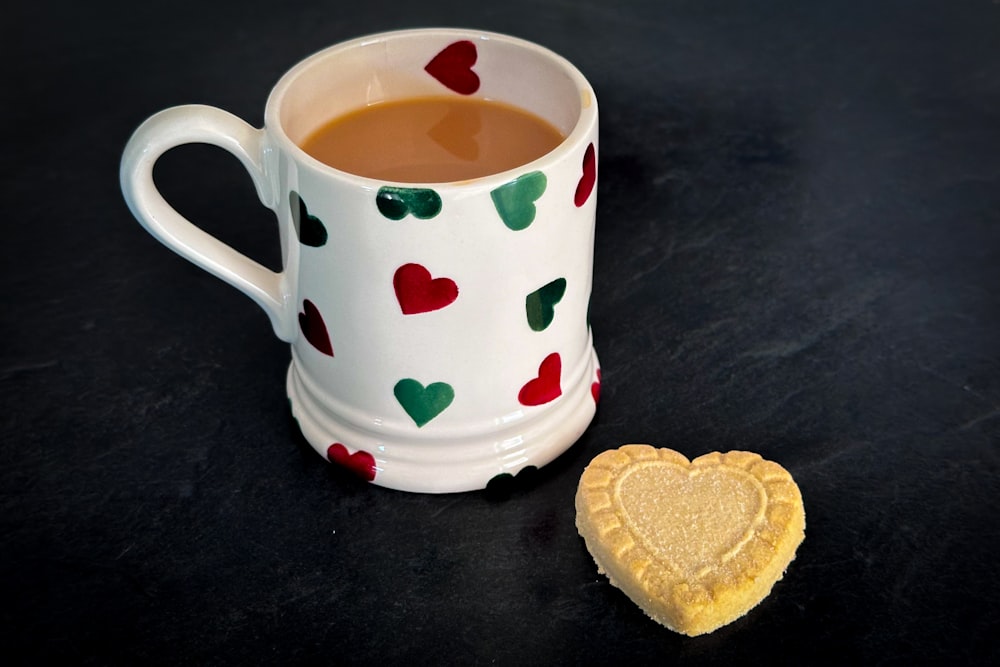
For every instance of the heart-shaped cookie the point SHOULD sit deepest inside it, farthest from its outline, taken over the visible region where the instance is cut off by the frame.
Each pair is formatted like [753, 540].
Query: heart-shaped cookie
[696, 544]
[515, 200]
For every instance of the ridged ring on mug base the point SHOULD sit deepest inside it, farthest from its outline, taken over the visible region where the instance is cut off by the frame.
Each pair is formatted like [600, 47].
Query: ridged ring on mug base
[460, 461]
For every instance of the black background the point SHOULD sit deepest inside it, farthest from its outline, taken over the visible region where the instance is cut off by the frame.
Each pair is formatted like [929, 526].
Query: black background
[798, 253]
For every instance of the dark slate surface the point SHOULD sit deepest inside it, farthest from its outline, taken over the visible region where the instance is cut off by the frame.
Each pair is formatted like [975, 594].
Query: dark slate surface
[798, 253]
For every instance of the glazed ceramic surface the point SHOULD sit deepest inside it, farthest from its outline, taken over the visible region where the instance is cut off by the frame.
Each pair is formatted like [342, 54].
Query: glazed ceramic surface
[439, 331]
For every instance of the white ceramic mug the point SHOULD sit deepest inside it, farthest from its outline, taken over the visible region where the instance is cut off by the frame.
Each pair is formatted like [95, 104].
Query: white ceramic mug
[439, 331]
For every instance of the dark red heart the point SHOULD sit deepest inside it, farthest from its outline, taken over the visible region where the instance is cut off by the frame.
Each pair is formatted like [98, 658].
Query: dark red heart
[417, 292]
[453, 67]
[589, 178]
[595, 388]
[361, 463]
[314, 329]
[545, 387]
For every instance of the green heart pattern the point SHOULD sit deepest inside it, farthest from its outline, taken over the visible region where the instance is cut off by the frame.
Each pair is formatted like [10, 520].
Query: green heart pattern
[540, 305]
[310, 229]
[515, 200]
[423, 403]
[396, 203]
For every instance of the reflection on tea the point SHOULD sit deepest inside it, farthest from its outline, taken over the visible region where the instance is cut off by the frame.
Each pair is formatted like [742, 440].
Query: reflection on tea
[432, 139]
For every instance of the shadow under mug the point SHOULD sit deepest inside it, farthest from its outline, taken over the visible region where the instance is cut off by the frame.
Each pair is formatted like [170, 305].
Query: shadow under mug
[439, 331]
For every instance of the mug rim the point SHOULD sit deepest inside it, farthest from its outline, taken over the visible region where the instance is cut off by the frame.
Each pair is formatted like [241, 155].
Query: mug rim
[579, 135]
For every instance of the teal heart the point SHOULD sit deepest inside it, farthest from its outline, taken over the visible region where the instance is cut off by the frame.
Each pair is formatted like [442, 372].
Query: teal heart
[310, 229]
[515, 201]
[423, 403]
[540, 304]
[396, 203]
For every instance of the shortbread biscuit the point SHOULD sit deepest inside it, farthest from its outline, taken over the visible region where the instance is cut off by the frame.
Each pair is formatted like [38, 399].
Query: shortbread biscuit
[696, 544]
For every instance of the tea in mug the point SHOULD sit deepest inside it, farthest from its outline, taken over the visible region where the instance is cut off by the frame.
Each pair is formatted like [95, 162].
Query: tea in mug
[432, 139]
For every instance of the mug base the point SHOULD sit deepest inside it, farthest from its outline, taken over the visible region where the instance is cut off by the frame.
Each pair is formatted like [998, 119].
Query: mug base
[449, 463]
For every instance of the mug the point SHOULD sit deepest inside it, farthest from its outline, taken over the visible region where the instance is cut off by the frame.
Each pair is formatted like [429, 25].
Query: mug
[439, 332]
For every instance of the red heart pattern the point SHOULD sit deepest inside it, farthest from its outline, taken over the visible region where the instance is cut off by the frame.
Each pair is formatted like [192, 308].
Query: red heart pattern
[595, 388]
[453, 67]
[544, 388]
[589, 177]
[417, 292]
[314, 328]
[361, 463]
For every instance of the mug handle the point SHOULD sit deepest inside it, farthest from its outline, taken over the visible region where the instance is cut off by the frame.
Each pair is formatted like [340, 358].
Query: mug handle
[208, 125]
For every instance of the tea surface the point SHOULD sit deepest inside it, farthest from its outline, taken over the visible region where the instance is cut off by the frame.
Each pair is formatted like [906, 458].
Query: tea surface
[432, 139]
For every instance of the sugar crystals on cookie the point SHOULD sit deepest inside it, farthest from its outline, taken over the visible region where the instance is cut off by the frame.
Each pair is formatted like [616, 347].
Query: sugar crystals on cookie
[696, 544]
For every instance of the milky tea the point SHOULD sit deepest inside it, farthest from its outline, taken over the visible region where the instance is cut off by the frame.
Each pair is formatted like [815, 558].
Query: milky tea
[432, 139]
